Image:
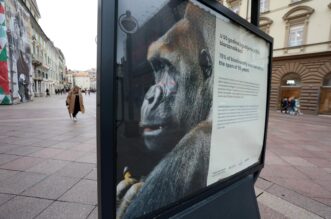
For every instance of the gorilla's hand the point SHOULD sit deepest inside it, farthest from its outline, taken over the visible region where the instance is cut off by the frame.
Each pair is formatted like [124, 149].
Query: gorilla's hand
[126, 191]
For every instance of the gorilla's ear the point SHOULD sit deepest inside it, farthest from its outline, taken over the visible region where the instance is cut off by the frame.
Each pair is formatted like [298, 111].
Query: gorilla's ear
[205, 63]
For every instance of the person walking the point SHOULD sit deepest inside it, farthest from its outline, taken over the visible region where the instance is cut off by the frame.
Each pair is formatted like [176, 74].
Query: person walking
[47, 93]
[75, 102]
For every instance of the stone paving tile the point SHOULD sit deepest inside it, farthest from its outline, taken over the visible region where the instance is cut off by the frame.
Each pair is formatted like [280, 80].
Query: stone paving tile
[23, 207]
[304, 187]
[297, 161]
[282, 171]
[311, 147]
[69, 155]
[326, 184]
[84, 192]
[7, 147]
[301, 201]
[88, 158]
[326, 201]
[324, 163]
[46, 153]
[48, 166]
[92, 175]
[5, 197]
[315, 173]
[22, 163]
[19, 182]
[94, 214]
[5, 158]
[272, 158]
[51, 188]
[287, 209]
[24, 141]
[258, 191]
[4, 174]
[66, 210]
[262, 183]
[45, 143]
[320, 154]
[269, 213]
[26, 150]
[77, 170]
[84, 147]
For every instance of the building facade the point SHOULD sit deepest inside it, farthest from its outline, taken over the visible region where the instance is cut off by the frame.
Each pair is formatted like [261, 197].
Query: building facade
[29, 61]
[93, 79]
[302, 50]
[16, 65]
[82, 80]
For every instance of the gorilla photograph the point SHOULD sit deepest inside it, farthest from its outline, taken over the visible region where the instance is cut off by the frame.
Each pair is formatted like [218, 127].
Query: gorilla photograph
[165, 78]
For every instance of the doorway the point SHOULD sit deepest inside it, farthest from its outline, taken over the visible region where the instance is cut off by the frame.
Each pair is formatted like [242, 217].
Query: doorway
[325, 97]
[290, 87]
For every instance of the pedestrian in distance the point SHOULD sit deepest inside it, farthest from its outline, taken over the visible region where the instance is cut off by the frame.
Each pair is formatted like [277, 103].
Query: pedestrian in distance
[47, 93]
[284, 105]
[75, 102]
[292, 106]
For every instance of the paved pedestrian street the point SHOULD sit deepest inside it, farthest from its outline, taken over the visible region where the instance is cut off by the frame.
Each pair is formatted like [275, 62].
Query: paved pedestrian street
[48, 163]
[296, 180]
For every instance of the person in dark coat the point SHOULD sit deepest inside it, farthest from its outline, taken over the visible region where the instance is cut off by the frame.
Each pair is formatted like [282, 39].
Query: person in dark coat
[284, 105]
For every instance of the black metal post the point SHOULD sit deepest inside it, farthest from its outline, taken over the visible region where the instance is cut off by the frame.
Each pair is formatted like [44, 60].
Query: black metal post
[255, 12]
[129, 76]
[106, 102]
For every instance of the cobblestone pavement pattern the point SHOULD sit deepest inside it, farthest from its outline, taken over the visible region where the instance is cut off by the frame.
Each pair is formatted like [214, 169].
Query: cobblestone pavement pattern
[48, 163]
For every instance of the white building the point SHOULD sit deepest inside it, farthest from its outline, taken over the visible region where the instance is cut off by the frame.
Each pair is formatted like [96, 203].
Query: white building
[82, 80]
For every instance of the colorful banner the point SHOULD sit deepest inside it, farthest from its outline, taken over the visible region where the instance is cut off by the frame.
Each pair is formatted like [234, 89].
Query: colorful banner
[4, 82]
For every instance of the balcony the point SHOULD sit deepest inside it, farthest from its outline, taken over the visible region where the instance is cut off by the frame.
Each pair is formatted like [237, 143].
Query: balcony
[37, 60]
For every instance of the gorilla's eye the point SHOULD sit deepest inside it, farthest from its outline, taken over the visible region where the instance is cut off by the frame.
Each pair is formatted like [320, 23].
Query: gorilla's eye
[205, 63]
[157, 64]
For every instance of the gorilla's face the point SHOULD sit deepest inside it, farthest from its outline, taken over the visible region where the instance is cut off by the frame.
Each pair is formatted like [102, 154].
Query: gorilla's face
[181, 95]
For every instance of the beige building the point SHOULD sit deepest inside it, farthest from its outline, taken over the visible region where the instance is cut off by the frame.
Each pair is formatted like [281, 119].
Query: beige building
[48, 61]
[82, 80]
[302, 49]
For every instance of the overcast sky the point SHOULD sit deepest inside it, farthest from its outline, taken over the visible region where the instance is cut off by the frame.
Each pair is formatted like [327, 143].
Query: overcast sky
[72, 26]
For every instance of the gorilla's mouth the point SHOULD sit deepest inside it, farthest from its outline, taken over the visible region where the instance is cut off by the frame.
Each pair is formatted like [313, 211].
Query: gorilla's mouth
[153, 129]
[161, 138]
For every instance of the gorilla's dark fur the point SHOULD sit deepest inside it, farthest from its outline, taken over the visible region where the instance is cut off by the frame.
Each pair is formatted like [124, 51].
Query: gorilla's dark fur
[178, 108]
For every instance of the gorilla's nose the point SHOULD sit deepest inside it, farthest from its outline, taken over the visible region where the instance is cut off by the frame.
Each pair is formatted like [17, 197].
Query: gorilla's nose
[154, 96]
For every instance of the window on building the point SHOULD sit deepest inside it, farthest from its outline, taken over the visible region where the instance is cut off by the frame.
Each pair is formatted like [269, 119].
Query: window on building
[296, 35]
[297, 20]
[264, 5]
[234, 5]
[236, 9]
[265, 24]
[291, 79]
[327, 80]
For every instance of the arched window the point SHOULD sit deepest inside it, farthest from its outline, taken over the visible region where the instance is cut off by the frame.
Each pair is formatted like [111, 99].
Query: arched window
[297, 20]
[234, 5]
[291, 79]
[327, 80]
[265, 24]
